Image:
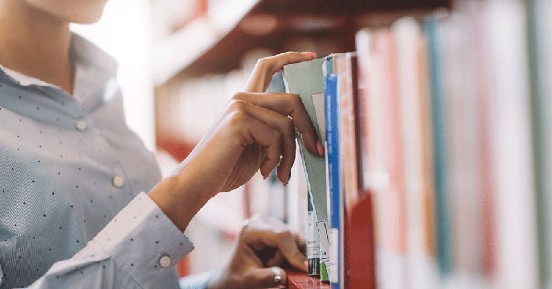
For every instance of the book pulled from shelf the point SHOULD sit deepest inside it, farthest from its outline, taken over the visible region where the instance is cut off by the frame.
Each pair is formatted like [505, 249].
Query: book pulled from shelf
[306, 80]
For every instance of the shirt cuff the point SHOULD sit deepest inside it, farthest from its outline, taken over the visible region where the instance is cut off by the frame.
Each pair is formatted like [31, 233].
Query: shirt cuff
[144, 242]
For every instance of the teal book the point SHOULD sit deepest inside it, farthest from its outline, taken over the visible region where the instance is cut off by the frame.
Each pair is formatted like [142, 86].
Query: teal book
[540, 45]
[431, 26]
[306, 80]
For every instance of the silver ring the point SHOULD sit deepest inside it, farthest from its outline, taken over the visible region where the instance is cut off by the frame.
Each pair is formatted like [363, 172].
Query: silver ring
[277, 276]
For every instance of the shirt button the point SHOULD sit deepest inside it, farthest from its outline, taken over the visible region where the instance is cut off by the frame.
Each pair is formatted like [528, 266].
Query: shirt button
[118, 182]
[165, 261]
[81, 125]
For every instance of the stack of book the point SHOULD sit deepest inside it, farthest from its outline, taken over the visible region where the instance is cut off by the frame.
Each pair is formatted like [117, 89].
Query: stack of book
[438, 151]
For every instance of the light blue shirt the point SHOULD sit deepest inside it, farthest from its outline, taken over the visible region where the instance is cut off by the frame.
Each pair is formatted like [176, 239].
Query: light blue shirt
[72, 175]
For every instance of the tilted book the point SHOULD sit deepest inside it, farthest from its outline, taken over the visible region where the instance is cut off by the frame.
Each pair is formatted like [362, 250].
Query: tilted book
[306, 80]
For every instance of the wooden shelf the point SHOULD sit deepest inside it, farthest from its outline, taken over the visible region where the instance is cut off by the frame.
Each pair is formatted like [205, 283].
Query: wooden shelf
[300, 280]
[217, 42]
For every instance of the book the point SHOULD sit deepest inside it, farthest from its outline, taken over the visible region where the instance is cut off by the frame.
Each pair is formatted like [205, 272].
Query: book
[345, 66]
[306, 80]
[332, 163]
[442, 217]
[323, 228]
[313, 238]
[485, 104]
[360, 228]
[505, 56]
[414, 98]
[384, 178]
[360, 264]
[540, 44]
[463, 122]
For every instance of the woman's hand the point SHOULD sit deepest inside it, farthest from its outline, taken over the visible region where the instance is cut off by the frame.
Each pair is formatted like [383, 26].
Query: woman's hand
[266, 67]
[256, 131]
[264, 246]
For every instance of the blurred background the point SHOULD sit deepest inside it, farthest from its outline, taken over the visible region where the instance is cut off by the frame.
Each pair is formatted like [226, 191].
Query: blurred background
[468, 203]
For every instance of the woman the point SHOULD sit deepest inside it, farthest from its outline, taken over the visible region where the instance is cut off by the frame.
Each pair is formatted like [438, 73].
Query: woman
[81, 201]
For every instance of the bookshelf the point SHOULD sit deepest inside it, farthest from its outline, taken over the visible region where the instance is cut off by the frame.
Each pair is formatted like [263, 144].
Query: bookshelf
[298, 280]
[216, 42]
[469, 134]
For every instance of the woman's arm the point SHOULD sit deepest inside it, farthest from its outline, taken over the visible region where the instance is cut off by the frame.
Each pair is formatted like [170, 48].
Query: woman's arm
[139, 247]
[255, 132]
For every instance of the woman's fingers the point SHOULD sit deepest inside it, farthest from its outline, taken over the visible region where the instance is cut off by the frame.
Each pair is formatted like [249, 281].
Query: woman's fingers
[273, 277]
[259, 234]
[276, 260]
[264, 69]
[252, 131]
[277, 62]
[284, 113]
[289, 105]
[290, 250]
[282, 124]
[286, 243]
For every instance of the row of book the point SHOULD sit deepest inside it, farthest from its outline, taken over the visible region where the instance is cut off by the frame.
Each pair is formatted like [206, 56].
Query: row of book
[438, 151]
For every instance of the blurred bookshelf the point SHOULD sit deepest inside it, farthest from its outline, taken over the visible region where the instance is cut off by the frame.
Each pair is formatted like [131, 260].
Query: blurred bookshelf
[219, 36]
[226, 37]
[203, 59]
[497, 197]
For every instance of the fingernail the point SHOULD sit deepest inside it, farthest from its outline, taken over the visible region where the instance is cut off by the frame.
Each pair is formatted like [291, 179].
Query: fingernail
[309, 54]
[320, 148]
[306, 263]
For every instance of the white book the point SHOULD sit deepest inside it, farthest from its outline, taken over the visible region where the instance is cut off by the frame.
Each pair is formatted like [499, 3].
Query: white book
[505, 50]
[421, 270]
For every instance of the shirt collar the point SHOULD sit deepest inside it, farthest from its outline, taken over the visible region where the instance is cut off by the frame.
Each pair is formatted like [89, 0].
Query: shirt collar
[23, 79]
[87, 54]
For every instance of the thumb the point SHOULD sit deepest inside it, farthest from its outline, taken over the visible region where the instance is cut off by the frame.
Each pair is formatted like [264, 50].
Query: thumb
[273, 277]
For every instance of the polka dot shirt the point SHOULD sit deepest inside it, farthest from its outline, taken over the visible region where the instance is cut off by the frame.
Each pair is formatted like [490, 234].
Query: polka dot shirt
[71, 173]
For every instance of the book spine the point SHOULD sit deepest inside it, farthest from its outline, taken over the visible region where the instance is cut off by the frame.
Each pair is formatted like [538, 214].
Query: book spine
[407, 34]
[306, 80]
[332, 132]
[540, 45]
[313, 240]
[505, 55]
[322, 228]
[431, 26]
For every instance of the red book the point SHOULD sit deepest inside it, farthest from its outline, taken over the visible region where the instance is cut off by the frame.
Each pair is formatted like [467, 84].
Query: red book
[359, 246]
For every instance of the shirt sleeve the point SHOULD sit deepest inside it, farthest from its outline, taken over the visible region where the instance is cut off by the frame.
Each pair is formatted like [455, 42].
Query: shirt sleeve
[137, 249]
